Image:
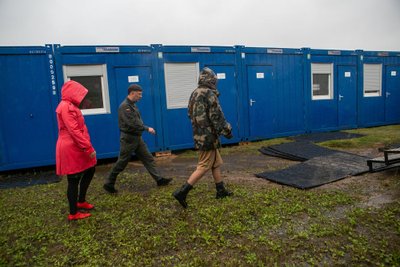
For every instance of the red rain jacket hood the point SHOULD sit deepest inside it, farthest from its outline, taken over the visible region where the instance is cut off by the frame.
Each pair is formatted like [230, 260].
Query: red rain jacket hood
[73, 92]
[73, 147]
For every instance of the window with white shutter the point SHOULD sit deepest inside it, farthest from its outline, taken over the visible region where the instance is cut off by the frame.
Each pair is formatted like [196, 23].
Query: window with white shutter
[372, 80]
[180, 81]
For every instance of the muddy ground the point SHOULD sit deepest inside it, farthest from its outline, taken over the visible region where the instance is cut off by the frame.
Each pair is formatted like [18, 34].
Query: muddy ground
[373, 189]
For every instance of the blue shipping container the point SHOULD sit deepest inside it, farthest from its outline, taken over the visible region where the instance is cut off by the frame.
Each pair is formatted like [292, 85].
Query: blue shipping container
[273, 94]
[28, 99]
[379, 88]
[331, 89]
[179, 68]
[107, 71]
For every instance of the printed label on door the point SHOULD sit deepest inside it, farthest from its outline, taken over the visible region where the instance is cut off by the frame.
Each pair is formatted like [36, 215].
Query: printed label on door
[133, 79]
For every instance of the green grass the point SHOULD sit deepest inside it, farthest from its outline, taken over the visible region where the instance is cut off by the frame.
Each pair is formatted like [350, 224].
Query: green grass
[255, 227]
[144, 226]
[243, 148]
[374, 137]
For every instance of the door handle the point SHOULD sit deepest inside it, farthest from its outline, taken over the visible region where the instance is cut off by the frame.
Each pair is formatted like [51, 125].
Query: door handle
[251, 102]
[387, 94]
[340, 97]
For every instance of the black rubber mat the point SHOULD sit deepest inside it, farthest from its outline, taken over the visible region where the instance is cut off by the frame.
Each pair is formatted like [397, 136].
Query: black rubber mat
[28, 179]
[270, 152]
[321, 137]
[300, 151]
[318, 170]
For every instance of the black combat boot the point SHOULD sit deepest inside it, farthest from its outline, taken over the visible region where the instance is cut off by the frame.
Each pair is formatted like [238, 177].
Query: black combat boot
[221, 190]
[110, 182]
[110, 188]
[163, 181]
[181, 193]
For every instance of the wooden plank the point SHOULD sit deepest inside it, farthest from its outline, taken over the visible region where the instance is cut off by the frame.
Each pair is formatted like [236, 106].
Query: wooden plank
[387, 160]
[390, 159]
[383, 160]
[244, 143]
[393, 150]
[386, 167]
[163, 153]
[378, 160]
[387, 152]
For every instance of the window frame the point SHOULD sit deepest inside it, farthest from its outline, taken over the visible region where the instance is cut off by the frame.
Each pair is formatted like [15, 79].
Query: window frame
[374, 93]
[87, 70]
[322, 68]
[181, 78]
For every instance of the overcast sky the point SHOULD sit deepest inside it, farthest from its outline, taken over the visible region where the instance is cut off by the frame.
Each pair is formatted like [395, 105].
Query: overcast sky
[319, 24]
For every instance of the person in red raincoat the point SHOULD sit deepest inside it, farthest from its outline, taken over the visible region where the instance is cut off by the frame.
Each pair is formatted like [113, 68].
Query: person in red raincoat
[75, 155]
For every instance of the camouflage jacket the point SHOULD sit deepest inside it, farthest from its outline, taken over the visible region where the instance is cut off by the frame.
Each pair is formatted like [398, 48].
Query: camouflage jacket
[208, 120]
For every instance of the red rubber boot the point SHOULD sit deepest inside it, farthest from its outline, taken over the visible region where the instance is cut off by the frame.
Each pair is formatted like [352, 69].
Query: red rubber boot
[78, 216]
[84, 205]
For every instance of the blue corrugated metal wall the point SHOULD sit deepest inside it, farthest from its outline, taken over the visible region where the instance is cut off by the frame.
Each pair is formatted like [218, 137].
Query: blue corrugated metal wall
[122, 62]
[265, 93]
[27, 104]
[339, 112]
[273, 93]
[176, 125]
[383, 109]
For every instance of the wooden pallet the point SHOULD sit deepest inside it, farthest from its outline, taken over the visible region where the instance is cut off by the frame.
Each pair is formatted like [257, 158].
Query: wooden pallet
[388, 152]
[388, 159]
[163, 154]
[244, 143]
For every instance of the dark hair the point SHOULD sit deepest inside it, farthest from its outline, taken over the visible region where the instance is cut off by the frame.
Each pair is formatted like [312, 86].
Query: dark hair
[134, 87]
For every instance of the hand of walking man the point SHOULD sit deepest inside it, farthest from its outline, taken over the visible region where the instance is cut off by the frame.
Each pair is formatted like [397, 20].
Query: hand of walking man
[152, 131]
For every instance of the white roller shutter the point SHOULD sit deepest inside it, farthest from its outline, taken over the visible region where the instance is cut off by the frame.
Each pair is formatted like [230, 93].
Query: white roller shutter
[180, 81]
[321, 68]
[372, 80]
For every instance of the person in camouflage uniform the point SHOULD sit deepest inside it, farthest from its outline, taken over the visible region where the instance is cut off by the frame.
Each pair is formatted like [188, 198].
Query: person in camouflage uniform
[131, 127]
[208, 123]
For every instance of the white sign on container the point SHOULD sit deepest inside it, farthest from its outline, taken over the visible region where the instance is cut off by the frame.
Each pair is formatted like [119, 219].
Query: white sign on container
[133, 79]
[260, 75]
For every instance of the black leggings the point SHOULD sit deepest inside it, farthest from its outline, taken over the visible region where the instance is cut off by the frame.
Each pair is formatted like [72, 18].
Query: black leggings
[84, 178]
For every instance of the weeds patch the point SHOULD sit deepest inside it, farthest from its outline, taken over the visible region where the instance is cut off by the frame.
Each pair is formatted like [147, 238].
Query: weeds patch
[255, 227]
[144, 226]
[374, 137]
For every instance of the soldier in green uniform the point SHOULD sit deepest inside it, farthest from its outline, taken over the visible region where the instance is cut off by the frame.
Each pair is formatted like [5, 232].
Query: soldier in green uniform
[131, 127]
[208, 123]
